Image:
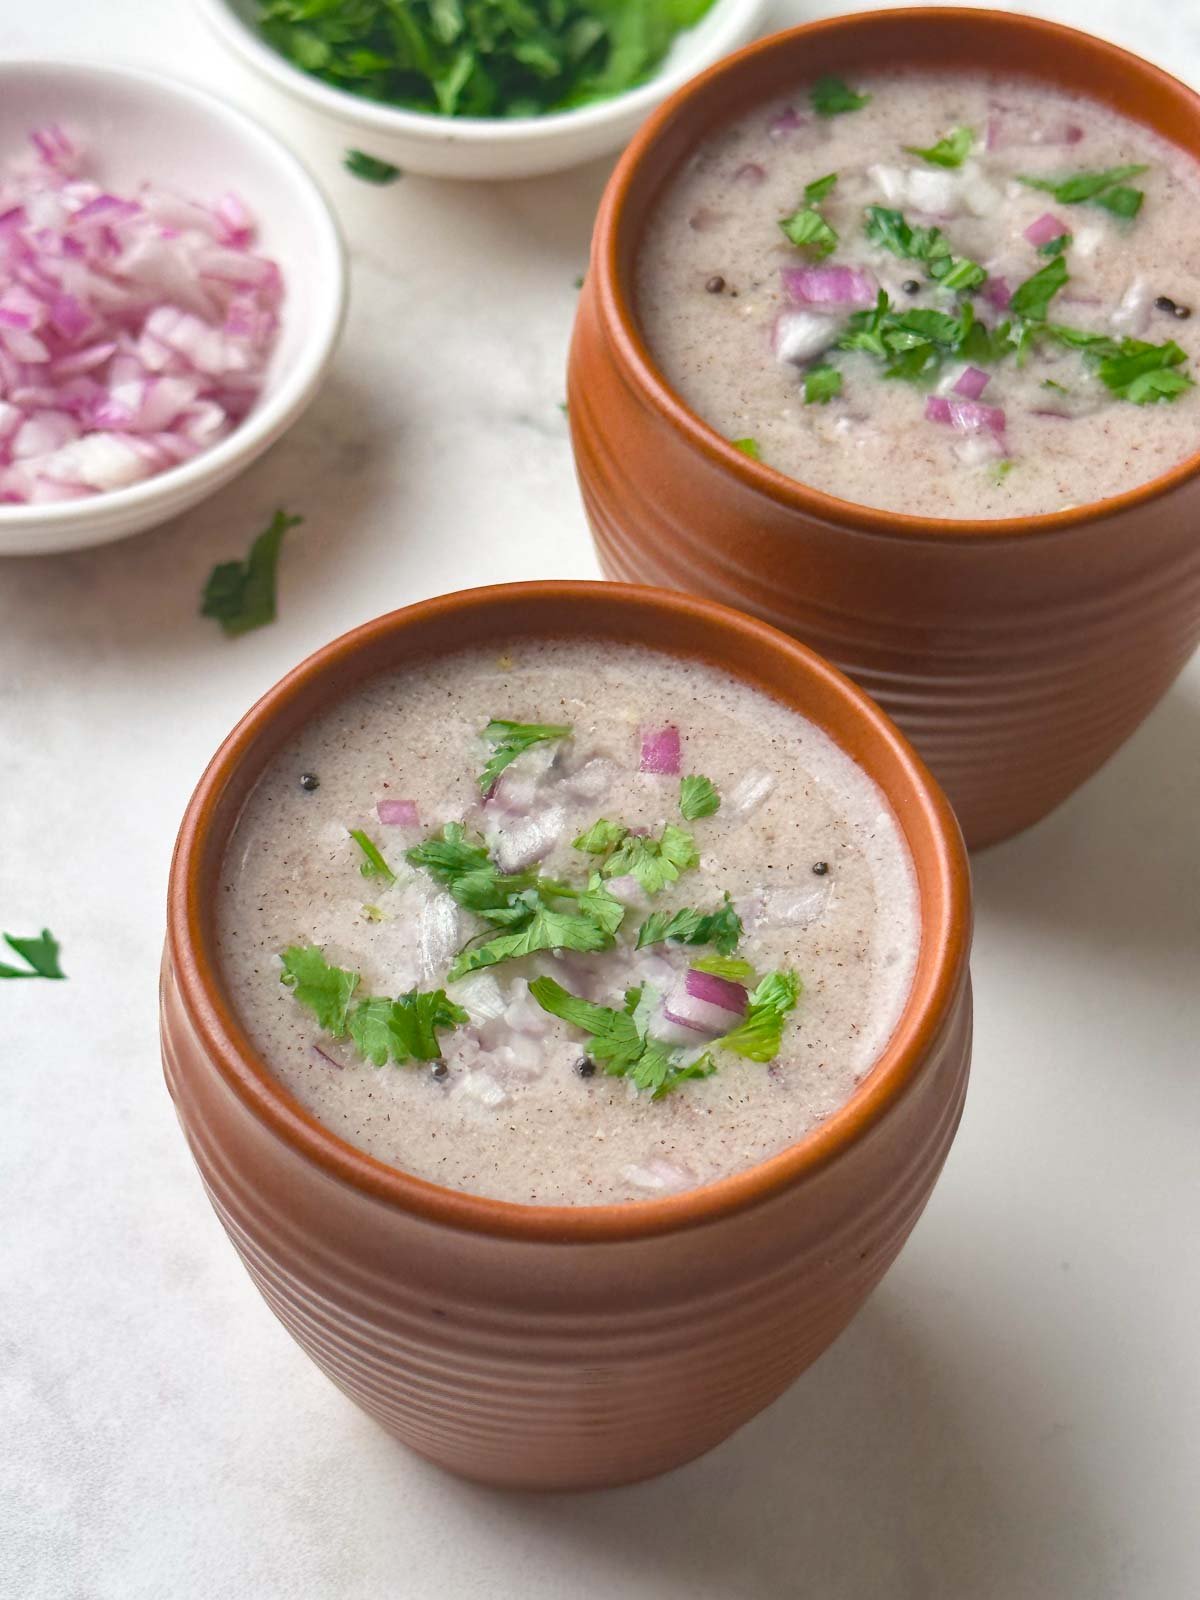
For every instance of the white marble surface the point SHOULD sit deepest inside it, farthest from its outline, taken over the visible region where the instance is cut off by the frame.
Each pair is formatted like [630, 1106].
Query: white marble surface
[1015, 1413]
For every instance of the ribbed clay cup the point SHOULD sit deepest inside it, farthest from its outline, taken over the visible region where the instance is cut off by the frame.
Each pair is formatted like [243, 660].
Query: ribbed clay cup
[566, 1347]
[1016, 654]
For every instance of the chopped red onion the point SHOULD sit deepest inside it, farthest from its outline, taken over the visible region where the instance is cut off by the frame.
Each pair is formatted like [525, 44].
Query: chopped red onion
[522, 841]
[705, 220]
[398, 813]
[480, 995]
[966, 416]
[1006, 127]
[997, 293]
[972, 382]
[785, 906]
[660, 751]
[751, 174]
[797, 336]
[156, 300]
[830, 286]
[786, 123]
[438, 936]
[717, 991]
[628, 890]
[689, 1010]
[1047, 227]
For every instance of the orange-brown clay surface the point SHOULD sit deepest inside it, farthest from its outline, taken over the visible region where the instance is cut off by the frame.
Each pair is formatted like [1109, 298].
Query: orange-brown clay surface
[1017, 655]
[577, 1346]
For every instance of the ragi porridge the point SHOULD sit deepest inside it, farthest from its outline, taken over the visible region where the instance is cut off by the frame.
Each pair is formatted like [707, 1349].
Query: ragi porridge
[570, 923]
[957, 296]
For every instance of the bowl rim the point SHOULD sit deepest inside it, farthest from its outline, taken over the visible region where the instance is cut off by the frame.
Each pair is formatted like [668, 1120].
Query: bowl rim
[278, 407]
[735, 15]
[617, 316]
[570, 608]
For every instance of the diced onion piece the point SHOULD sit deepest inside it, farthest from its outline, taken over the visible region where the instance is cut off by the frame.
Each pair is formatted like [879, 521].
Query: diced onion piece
[971, 383]
[723, 992]
[134, 330]
[834, 287]
[785, 124]
[628, 890]
[591, 781]
[660, 751]
[786, 906]
[965, 416]
[522, 841]
[398, 813]
[480, 995]
[657, 1175]
[933, 191]
[797, 336]
[1045, 228]
[751, 174]
[997, 293]
[1132, 316]
[749, 792]
[438, 936]
[1007, 127]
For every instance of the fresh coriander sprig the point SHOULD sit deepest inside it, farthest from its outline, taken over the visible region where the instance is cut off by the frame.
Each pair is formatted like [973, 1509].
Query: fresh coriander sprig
[401, 1030]
[240, 595]
[617, 1043]
[653, 862]
[511, 739]
[1107, 189]
[698, 797]
[892, 231]
[721, 928]
[38, 952]
[830, 97]
[951, 151]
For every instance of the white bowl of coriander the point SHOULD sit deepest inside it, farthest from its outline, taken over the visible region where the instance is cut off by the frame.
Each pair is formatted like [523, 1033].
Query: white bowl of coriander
[413, 85]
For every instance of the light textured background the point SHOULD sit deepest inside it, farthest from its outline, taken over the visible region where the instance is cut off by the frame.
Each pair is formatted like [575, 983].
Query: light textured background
[1013, 1416]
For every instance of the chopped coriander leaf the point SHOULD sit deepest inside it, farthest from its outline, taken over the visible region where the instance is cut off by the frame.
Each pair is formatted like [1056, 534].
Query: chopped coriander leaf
[951, 151]
[604, 909]
[511, 739]
[468, 872]
[735, 968]
[830, 96]
[1049, 383]
[1096, 344]
[1122, 201]
[808, 230]
[1031, 299]
[601, 837]
[653, 862]
[721, 928]
[1081, 186]
[760, 1032]
[1055, 247]
[495, 59]
[617, 1040]
[1001, 470]
[698, 797]
[545, 929]
[240, 595]
[373, 913]
[373, 865]
[822, 383]
[915, 343]
[370, 168]
[748, 447]
[820, 188]
[891, 231]
[1142, 372]
[38, 952]
[404, 1029]
[324, 989]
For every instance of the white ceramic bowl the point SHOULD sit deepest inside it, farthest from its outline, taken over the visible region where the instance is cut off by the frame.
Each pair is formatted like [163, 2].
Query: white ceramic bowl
[488, 147]
[143, 126]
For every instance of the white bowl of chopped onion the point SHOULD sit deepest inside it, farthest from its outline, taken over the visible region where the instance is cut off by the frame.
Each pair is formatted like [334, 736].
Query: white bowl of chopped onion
[488, 147]
[172, 287]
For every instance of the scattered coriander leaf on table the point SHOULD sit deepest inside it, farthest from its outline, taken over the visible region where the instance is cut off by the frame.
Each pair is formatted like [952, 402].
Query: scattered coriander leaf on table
[39, 952]
[370, 168]
[240, 595]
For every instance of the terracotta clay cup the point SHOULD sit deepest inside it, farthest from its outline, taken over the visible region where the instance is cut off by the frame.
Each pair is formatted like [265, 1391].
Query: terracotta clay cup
[1017, 655]
[557, 1346]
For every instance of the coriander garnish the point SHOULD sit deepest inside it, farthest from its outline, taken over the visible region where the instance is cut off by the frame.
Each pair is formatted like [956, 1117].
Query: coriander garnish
[1107, 189]
[38, 952]
[616, 1042]
[748, 447]
[698, 797]
[512, 739]
[951, 151]
[370, 168]
[373, 865]
[240, 595]
[383, 1030]
[890, 230]
[721, 928]
[830, 97]
[822, 383]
